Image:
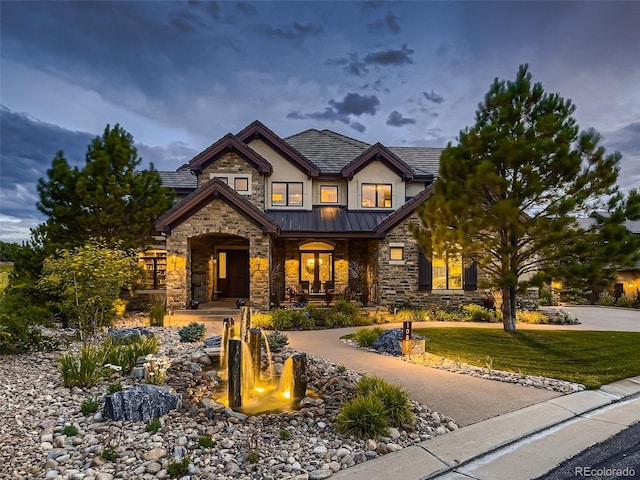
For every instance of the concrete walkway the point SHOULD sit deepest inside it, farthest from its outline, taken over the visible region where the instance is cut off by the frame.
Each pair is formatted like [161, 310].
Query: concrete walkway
[464, 398]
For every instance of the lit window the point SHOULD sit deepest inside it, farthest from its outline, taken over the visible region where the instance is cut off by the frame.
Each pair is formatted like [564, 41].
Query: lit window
[396, 253]
[222, 265]
[286, 194]
[447, 272]
[376, 195]
[241, 184]
[328, 194]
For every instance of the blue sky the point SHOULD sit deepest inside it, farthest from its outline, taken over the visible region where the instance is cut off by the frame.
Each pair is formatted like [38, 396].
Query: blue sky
[179, 75]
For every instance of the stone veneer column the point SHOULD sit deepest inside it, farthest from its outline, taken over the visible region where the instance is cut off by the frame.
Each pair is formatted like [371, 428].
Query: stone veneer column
[259, 272]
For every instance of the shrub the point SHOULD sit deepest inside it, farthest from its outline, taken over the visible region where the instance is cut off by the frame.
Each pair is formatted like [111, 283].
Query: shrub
[277, 341]
[114, 387]
[531, 317]
[395, 400]
[321, 317]
[624, 302]
[178, 468]
[253, 457]
[193, 332]
[290, 319]
[89, 406]
[120, 307]
[157, 312]
[476, 313]
[70, 431]
[363, 416]
[346, 308]
[363, 320]
[153, 425]
[84, 369]
[444, 316]
[366, 336]
[545, 295]
[285, 434]
[606, 299]
[261, 320]
[124, 352]
[109, 453]
[341, 319]
[205, 442]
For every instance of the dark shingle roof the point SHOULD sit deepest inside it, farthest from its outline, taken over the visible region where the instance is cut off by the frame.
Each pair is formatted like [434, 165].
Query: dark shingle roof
[331, 152]
[181, 179]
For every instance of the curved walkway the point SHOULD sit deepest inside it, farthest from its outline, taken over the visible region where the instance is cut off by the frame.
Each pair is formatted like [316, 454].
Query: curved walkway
[464, 398]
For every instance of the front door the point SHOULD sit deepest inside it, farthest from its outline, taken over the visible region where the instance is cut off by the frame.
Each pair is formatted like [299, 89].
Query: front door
[233, 273]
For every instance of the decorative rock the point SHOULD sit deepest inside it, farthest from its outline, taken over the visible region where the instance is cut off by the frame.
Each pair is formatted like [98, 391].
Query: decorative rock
[334, 467]
[127, 333]
[371, 444]
[320, 474]
[155, 454]
[153, 467]
[342, 452]
[389, 342]
[141, 403]
[320, 450]
[394, 433]
[359, 457]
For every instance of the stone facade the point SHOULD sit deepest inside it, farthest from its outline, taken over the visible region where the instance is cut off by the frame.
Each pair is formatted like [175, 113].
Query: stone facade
[232, 164]
[215, 218]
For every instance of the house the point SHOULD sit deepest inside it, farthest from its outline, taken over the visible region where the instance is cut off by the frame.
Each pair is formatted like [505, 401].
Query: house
[268, 219]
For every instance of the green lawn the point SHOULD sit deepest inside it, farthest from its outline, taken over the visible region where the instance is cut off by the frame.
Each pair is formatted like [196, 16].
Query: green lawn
[587, 357]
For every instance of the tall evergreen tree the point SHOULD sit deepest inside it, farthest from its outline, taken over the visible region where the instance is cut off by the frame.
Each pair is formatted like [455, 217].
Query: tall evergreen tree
[108, 198]
[509, 192]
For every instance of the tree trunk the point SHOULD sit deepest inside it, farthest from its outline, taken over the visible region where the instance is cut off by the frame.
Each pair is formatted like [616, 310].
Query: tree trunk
[509, 309]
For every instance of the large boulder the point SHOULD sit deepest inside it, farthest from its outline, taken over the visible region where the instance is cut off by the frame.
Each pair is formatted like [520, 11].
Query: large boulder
[391, 342]
[141, 403]
[129, 333]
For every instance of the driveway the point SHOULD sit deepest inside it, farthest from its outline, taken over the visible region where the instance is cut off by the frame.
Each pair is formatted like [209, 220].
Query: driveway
[603, 318]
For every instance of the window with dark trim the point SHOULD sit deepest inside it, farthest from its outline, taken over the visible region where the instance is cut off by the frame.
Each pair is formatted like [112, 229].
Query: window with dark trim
[241, 184]
[376, 195]
[446, 273]
[286, 194]
[396, 253]
[328, 194]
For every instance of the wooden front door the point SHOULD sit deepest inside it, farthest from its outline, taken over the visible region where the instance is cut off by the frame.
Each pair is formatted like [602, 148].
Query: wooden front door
[233, 279]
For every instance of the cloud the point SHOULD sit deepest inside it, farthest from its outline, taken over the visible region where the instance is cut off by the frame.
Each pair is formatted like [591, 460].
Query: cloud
[246, 8]
[400, 56]
[397, 120]
[341, 111]
[433, 97]
[296, 31]
[29, 145]
[626, 139]
[354, 65]
[358, 127]
[356, 104]
[389, 22]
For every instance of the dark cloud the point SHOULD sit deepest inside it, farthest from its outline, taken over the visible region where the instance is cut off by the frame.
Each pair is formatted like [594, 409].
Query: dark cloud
[400, 56]
[296, 31]
[211, 8]
[246, 8]
[340, 111]
[354, 65]
[390, 22]
[433, 97]
[358, 127]
[372, 4]
[397, 120]
[29, 145]
[356, 104]
[626, 139]
[186, 22]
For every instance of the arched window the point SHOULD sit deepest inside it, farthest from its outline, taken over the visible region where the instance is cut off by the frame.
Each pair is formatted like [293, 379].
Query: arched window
[316, 265]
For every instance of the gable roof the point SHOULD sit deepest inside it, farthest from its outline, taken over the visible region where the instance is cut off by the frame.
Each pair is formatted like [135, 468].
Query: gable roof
[215, 188]
[182, 181]
[381, 153]
[404, 212]
[226, 144]
[257, 130]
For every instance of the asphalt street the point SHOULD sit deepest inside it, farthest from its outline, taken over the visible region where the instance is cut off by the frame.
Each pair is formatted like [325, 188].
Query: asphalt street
[615, 458]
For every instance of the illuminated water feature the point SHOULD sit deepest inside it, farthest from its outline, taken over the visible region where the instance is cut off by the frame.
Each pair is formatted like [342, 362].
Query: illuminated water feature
[252, 389]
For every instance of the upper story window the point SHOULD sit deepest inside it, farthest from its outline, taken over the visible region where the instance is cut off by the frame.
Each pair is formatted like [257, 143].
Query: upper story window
[328, 194]
[286, 194]
[376, 195]
[241, 183]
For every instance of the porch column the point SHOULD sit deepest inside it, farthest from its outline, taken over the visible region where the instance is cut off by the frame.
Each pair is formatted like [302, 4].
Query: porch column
[259, 267]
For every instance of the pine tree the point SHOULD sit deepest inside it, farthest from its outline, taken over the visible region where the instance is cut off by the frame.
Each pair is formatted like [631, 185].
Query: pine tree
[509, 192]
[108, 198]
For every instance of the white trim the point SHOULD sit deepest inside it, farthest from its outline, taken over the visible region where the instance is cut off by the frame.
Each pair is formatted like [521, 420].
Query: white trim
[231, 180]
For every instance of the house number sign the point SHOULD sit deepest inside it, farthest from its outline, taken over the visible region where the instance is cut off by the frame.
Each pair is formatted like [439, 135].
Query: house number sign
[406, 337]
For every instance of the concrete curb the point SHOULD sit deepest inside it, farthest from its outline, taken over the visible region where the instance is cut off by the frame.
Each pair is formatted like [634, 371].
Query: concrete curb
[442, 457]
